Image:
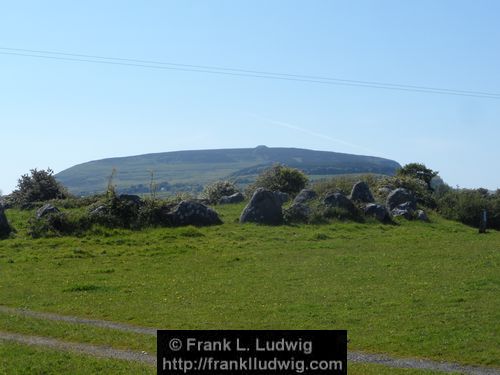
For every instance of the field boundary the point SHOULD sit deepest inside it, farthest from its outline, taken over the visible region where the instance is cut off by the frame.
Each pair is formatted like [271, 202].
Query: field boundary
[107, 352]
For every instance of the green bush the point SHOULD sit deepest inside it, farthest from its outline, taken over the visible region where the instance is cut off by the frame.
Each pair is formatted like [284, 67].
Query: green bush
[418, 171]
[115, 212]
[341, 214]
[344, 183]
[280, 178]
[215, 191]
[467, 206]
[58, 224]
[494, 211]
[38, 186]
[77, 202]
[153, 213]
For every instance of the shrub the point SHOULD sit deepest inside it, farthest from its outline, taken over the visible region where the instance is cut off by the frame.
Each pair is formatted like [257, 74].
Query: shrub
[342, 214]
[280, 178]
[57, 224]
[467, 205]
[153, 213]
[494, 211]
[344, 183]
[297, 213]
[78, 202]
[38, 186]
[418, 171]
[215, 191]
[179, 197]
[116, 212]
[321, 214]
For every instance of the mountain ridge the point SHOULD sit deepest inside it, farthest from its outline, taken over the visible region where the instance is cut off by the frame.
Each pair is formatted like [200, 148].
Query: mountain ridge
[189, 170]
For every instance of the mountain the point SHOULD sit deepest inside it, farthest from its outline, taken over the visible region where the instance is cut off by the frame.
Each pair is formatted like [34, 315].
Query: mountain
[190, 170]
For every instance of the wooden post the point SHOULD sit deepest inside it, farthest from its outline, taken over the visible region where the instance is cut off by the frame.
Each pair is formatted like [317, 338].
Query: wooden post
[484, 222]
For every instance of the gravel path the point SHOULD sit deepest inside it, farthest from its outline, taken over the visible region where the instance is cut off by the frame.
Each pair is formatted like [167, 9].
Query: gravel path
[78, 320]
[356, 357]
[423, 364]
[93, 350]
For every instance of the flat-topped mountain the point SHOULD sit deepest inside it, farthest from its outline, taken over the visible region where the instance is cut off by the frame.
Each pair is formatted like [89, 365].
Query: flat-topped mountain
[190, 170]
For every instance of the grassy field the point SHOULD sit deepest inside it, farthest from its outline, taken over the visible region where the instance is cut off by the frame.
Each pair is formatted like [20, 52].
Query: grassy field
[17, 359]
[415, 289]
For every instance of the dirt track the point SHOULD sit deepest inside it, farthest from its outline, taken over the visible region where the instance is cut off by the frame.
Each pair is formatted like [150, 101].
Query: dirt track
[107, 352]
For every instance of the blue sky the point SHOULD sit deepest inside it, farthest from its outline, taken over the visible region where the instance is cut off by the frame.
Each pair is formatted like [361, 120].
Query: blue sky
[59, 113]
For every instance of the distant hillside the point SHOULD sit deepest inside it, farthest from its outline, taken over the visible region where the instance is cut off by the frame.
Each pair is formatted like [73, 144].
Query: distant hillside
[191, 170]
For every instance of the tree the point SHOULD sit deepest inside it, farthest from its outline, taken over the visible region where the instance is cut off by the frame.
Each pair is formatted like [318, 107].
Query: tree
[281, 178]
[38, 186]
[215, 191]
[419, 171]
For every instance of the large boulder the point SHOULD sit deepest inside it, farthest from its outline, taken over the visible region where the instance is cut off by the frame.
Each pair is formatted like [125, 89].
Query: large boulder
[46, 210]
[400, 196]
[407, 210]
[234, 198]
[305, 195]
[297, 213]
[339, 200]
[264, 208]
[408, 206]
[377, 211]
[5, 228]
[361, 193]
[193, 213]
[408, 215]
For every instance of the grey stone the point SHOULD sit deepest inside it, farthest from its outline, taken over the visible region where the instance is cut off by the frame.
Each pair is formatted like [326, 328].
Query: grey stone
[98, 210]
[264, 208]
[361, 193]
[5, 227]
[305, 195]
[406, 209]
[192, 213]
[421, 215]
[339, 200]
[404, 213]
[400, 196]
[46, 210]
[297, 213]
[408, 206]
[234, 198]
[377, 211]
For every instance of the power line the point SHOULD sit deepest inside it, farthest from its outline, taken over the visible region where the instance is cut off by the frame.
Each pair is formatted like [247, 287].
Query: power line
[249, 71]
[62, 56]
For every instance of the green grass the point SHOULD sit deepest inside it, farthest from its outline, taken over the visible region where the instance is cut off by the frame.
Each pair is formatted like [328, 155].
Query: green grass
[415, 289]
[18, 359]
[76, 333]
[369, 369]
